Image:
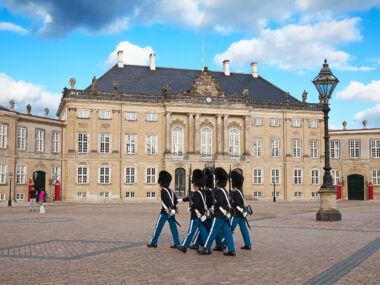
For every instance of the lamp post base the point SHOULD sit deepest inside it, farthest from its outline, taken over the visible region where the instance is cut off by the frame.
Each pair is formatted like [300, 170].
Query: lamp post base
[328, 210]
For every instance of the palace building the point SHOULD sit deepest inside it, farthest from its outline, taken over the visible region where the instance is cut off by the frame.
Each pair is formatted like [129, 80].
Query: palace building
[118, 133]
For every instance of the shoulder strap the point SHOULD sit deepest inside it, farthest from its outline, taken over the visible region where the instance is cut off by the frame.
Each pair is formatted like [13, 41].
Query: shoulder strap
[203, 200]
[225, 195]
[242, 196]
[171, 199]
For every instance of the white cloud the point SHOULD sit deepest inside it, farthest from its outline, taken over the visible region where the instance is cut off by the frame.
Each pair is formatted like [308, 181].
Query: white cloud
[132, 54]
[372, 116]
[6, 26]
[27, 93]
[116, 26]
[295, 47]
[357, 91]
[336, 5]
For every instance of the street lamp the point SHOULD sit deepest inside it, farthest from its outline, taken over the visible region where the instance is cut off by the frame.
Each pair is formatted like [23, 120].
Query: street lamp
[274, 190]
[10, 188]
[325, 83]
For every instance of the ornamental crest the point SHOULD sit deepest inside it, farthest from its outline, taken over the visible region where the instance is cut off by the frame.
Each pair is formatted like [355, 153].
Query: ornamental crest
[206, 85]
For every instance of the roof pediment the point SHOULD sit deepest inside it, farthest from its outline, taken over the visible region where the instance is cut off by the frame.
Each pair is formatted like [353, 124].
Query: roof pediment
[206, 85]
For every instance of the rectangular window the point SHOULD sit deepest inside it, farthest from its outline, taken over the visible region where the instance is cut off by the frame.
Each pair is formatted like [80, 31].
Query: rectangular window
[104, 175]
[354, 149]
[275, 176]
[130, 116]
[82, 175]
[150, 194]
[56, 142]
[151, 145]
[257, 176]
[104, 194]
[296, 123]
[257, 194]
[297, 176]
[56, 173]
[296, 148]
[3, 136]
[334, 149]
[313, 124]
[277, 194]
[314, 194]
[151, 117]
[257, 121]
[83, 114]
[2, 197]
[20, 173]
[130, 175]
[257, 147]
[298, 194]
[105, 115]
[314, 176]
[21, 138]
[19, 196]
[40, 140]
[130, 194]
[150, 177]
[313, 149]
[335, 174]
[275, 148]
[82, 143]
[130, 144]
[274, 122]
[3, 173]
[82, 194]
[376, 177]
[105, 143]
[375, 148]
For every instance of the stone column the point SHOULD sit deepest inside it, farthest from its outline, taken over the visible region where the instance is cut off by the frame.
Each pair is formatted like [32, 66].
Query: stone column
[191, 133]
[246, 135]
[219, 133]
[197, 135]
[167, 138]
[226, 137]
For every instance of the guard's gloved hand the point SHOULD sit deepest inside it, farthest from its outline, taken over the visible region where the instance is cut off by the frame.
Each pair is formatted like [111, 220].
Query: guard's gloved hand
[172, 212]
[189, 209]
[180, 200]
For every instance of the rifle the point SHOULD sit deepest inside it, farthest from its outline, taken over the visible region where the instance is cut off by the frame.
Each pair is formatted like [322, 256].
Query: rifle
[190, 194]
[230, 191]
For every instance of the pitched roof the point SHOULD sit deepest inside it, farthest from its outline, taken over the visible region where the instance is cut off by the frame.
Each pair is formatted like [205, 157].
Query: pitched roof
[136, 79]
[3, 108]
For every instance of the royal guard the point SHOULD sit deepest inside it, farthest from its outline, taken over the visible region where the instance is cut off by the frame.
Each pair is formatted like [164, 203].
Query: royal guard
[168, 211]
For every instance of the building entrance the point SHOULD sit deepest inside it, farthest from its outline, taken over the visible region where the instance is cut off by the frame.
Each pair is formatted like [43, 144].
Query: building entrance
[39, 181]
[180, 182]
[355, 187]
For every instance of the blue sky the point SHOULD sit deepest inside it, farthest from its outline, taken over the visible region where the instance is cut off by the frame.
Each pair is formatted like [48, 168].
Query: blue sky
[45, 42]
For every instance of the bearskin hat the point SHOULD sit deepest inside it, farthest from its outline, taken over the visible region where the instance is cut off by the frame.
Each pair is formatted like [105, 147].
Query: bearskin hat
[164, 178]
[198, 178]
[237, 179]
[209, 180]
[221, 176]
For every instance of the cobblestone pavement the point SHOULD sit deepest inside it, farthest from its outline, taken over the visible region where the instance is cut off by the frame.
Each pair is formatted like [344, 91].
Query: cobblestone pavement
[105, 244]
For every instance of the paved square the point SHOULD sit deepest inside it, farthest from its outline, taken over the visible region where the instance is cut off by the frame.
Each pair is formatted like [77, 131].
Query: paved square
[105, 244]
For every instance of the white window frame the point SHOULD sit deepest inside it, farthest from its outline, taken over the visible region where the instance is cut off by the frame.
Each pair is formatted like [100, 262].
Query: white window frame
[296, 123]
[130, 116]
[20, 174]
[56, 141]
[335, 174]
[313, 124]
[82, 142]
[83, 176]
[314, 148]
[104, 194]
[2, 196]
[275, 173]
[354, 148]
[20, 196]
[105, 115]
[315, 176]
[298, 194]
[177, 142]
[130, 175]
[206, 142]
[258, 194]
[83, 114]
[151, 145]
[257, 121]
[335, 149]
[151, 117]
[297, 176]
[151, 194]
[21, 138]
[3, 173]
[375, 173]
[56, 171]
[257, 174]
[151, 175]
[315, 194]
[81, 194]
[234, 143]
[274, 122]
[375, 148]
[275, 147]
[130, 143]
[104, 175]
[105, 143]
[297, 148]
[129, 194]
[257, 147]
[3, 135]
[40, 140]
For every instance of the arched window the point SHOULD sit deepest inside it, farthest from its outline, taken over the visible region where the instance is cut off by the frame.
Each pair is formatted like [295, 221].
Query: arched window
[177, 142]
[234, 143]
[206, 142]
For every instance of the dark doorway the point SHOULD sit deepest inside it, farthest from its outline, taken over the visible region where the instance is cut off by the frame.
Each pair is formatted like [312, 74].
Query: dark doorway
[180, 182]
[39, 181]
[355, 187]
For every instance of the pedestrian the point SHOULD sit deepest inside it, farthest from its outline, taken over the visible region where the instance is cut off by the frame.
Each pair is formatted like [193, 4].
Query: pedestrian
[41, 200]
[221, 216]
[32, 203]
[197, 210]
[240, 212]
[168, 211]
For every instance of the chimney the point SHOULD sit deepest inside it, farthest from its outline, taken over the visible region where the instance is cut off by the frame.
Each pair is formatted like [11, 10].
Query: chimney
[152, 63]
[254, 70]
[226, 67]
[120, 62]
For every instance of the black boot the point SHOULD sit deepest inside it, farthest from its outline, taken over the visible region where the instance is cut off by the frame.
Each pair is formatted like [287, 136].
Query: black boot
[152, 245]
[204, 251]
[230, 253]
[182, 248]
[218, 248]
[174, 246]
[193, 246]
[246, 247]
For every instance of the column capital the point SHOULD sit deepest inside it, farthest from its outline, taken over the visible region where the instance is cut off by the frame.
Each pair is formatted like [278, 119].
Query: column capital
[168, 113]
[191, 114]
[226, 116]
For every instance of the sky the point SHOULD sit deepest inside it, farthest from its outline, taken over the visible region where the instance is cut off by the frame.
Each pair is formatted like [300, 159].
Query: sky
[43, 43]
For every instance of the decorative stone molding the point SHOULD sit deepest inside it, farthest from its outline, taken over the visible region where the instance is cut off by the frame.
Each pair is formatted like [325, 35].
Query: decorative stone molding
[28, 109]
[72, 82]
[304, 97]
[177, 122]
[165, 90]
[39, 165]
[206, 85]
[115, 85]
[94, 83]
[206, 123]
[234, 125]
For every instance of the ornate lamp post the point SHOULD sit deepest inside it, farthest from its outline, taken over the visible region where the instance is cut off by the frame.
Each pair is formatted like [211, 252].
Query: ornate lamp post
[10, 189]
[325, 83]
